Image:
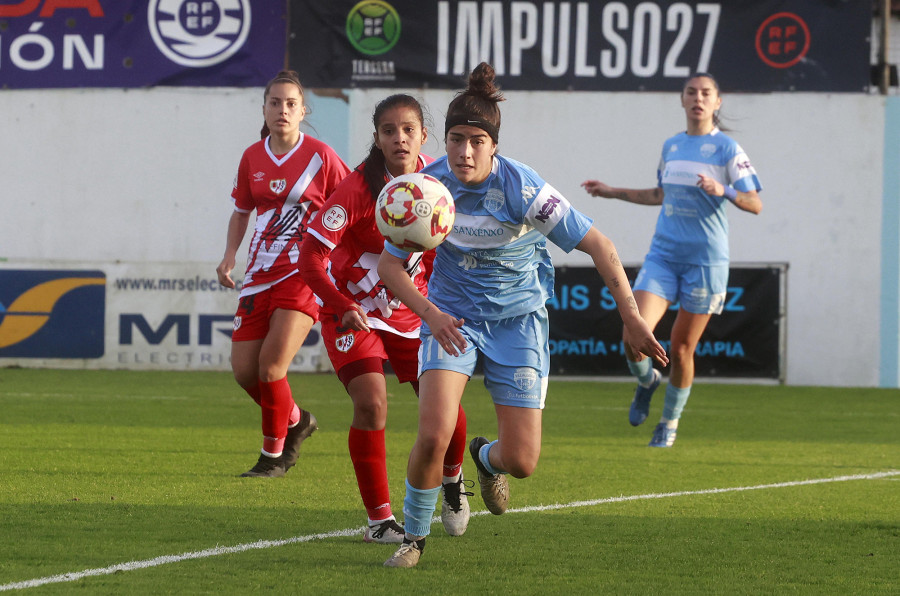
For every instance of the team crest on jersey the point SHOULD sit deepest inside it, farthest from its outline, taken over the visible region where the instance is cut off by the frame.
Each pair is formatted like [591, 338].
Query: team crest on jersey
[494, 199]
[277, 186]
[707, 149]
[344, 342]
[237, 322]
[525, 378]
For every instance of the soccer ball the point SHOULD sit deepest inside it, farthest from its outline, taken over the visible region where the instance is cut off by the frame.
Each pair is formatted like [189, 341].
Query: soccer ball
[415, 212]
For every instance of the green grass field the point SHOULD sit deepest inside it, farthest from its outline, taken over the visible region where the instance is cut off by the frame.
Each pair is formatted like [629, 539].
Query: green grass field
[119, 482]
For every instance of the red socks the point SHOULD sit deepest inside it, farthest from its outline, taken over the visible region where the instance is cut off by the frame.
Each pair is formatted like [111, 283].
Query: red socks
[367, 453]
[277, 405]
[456, 450]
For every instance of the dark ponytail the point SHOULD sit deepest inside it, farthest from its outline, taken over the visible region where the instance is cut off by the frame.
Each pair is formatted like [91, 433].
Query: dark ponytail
[477, 105]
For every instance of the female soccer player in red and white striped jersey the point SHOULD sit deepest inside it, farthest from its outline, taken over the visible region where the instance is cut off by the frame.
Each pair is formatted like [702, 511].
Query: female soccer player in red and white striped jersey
[285, 178]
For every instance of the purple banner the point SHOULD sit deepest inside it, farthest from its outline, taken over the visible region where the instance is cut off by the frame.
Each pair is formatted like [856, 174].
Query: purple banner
[133, 43]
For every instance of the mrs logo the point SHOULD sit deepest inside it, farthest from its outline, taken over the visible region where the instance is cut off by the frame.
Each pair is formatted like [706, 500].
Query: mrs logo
[199, 34]
[278, 186]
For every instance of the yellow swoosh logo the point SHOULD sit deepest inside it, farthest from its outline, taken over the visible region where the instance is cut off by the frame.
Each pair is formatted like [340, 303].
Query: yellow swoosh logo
[36, 304]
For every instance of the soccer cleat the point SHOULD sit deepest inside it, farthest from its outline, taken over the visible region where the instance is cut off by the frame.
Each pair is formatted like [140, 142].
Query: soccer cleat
[266, 467]
[662, 436]
[455, 506]
[408, 554]
[640, 405]
[494, 487]
[295, 436]
[386, 532]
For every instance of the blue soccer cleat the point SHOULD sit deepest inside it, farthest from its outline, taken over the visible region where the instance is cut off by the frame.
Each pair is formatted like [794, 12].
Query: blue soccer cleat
[640, 405]
[662, 436]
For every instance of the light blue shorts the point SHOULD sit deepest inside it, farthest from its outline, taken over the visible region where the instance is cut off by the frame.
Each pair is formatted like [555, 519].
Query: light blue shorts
[698, 289]
[515, 357]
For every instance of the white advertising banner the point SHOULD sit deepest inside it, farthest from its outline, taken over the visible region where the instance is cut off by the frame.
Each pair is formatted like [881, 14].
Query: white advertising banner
[136, 316]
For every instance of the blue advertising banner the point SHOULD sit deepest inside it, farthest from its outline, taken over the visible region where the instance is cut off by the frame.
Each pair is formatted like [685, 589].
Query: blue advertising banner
[52, 314]
[138, 43]
[647, 45]
[745, 341]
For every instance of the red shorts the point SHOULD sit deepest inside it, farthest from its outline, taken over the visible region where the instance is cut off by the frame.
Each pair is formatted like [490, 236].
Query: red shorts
[251, 321]
[346, 346]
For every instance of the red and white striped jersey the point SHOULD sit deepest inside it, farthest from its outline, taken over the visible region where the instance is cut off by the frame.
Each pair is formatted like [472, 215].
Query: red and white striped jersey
[346, 226]
[287, 191]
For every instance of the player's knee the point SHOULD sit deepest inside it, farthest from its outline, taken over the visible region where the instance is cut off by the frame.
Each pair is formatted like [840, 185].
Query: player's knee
[681, 353]
[369, 408]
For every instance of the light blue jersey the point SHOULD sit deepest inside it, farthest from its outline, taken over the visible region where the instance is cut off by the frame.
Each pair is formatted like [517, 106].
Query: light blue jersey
[495, 263]
[692, 226]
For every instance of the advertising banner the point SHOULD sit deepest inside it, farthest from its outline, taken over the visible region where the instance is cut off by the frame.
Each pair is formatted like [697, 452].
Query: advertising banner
[138, 43]
[745, 341]
[130, 316]
[749, 45]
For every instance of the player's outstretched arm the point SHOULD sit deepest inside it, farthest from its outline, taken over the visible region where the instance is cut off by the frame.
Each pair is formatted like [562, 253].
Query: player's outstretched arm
[444, 328]
[606, 260]
[642, 196]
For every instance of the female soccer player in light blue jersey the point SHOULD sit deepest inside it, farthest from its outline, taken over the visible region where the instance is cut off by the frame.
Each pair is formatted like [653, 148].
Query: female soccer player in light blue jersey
[492, 277]
[701, 170]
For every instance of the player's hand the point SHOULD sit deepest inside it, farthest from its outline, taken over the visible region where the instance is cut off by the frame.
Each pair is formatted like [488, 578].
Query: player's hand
[710, 186]
[445, 329]
[640, 337]
[223, 272]
[595, 188]
[355, 319]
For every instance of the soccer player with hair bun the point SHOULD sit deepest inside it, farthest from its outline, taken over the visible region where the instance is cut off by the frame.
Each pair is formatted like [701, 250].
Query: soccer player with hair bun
[363, 325]
[491, 280]
[285, 178]
[701, 170]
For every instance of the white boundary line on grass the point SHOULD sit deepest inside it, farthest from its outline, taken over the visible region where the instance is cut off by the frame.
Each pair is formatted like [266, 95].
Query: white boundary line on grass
[224, 550]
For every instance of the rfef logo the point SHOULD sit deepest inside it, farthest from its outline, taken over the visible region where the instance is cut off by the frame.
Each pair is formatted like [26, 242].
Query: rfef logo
[782, 40]
[199, 33]
[52, 314]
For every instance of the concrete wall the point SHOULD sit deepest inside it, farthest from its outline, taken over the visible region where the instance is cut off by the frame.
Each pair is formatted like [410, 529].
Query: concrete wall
[102, 176]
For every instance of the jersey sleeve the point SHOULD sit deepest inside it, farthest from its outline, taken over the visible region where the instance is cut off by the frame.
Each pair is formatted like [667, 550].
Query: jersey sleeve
[313, 258]
[335, 170]
[339, 212]
[240, 194]
[741, 173]
[553, 216]
[661, 166]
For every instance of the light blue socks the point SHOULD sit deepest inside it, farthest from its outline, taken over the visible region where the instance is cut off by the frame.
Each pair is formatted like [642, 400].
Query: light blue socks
[418, 509]
[676, 398]
[643, 370]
